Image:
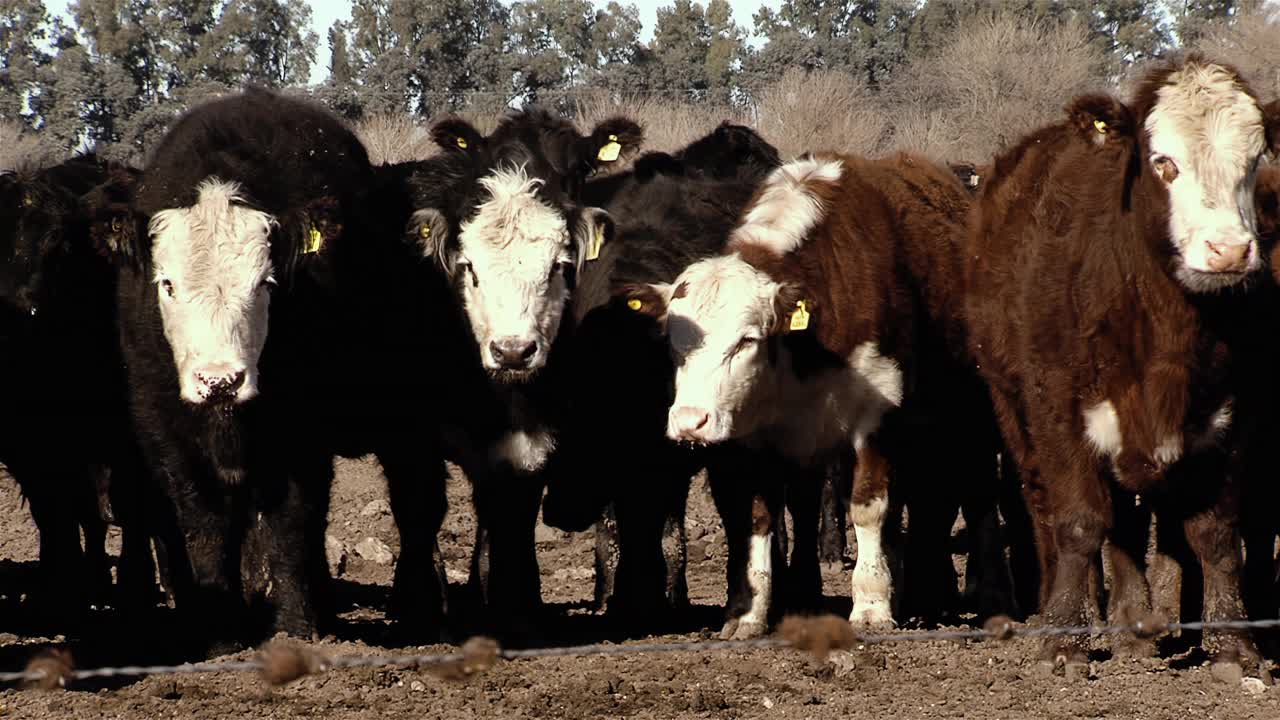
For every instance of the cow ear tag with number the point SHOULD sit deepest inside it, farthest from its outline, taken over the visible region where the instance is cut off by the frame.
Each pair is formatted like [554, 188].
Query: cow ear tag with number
[314, 241]
[610, 150]
[800, 317]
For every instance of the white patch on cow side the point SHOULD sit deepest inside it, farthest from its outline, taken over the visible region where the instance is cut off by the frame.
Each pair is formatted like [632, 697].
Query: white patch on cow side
[212, 269]
[1205, 123]
[785, 210]
[525, 452]
[1102, 429]
[510, 257]
[872, 584]
[760, 580]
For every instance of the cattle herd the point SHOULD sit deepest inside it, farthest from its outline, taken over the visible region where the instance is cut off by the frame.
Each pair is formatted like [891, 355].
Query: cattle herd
[1063, 344]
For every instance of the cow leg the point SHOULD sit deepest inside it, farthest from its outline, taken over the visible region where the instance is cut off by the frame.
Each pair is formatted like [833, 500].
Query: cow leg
[640, 583]
[872, 585]
[1213, 532]
[748, 505]
[295, 552]
[61, 588]
[835, 503]
[804, 575]
[1130, 598]
[991, 583]
[207, 585]
[607, 558]
[929, 589]
[505, 564]
[675, 544]
[416, 484]
[1081, 513]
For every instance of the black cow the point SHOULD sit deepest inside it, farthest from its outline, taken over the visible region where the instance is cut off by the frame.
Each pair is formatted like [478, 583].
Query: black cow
[211, 235]
[65, 434]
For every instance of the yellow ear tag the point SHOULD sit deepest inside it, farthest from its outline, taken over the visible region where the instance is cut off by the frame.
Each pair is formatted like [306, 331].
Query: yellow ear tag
[27, 201]
[635, 304]
[116, 225]
[462, 142]
[800, 318]
[314, 241]
[610, 151]
[424, 232]
[1101, 126]
[597, 241]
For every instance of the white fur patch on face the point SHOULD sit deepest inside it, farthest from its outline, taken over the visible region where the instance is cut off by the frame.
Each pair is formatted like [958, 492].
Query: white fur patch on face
[872, 584]
[1212, 131]
[785, 210]
[512, 255]
[1102, 429]
[212, 273]
[525, 452]
[716, 331]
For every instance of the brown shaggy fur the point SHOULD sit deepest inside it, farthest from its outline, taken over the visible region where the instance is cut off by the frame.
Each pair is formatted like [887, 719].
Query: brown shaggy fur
[1072, 302]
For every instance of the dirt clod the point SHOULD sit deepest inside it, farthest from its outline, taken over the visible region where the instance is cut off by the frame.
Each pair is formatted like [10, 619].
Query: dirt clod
[819, 635]
[56, 666]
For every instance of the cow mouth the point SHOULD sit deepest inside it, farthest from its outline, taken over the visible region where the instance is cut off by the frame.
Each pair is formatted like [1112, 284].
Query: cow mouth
[513, 376]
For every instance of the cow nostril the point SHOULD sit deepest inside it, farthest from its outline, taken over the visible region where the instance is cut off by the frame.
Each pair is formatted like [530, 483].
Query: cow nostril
[513, 352]
[235, 382]
[529, 349]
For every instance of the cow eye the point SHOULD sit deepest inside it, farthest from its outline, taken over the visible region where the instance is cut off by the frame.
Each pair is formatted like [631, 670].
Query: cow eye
[1166, 169]
[269, 283]
[465, 267]
[167, 286]
[746, 342]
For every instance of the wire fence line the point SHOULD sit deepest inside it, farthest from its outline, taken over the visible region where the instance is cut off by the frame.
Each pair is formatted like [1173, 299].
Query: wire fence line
[280, 663]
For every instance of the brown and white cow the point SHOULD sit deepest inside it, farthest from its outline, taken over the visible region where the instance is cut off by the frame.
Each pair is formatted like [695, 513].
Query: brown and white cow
[801, 338]
[1110, 253]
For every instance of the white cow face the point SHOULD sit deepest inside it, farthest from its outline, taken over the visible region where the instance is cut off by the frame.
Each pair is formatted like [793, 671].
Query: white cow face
[213, 276]
[514, 263]
[720, 313]
[1206, 138]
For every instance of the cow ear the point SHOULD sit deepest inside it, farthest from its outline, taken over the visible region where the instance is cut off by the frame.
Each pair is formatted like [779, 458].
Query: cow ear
[1100, 118]
[1271, 121]
[457, 135]
[317, 226]
[611, 143]
[594, 230]
[429, 232]
[793, 310]
[647, 299]
[656, 163]
[114, 226]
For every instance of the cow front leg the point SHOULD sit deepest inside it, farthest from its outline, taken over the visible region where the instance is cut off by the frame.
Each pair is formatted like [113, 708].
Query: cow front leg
[1130, 598]
[416, 483]
[872, 585]
[749, 506]
[505, 564]
[804, 575]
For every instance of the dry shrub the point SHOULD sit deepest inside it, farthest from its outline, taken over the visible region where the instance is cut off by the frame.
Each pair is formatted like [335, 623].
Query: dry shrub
[394, 138]
[669, 124]
[19, 148]
[1251, 42]
[820, 110]
[993, 80]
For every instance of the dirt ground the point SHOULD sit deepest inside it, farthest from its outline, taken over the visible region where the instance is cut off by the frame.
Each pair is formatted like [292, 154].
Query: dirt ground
[907, 680]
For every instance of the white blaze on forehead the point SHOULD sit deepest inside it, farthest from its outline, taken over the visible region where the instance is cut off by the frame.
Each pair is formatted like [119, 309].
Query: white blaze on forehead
[216, 255]
[724, 300]
[785, 210]
[1212, 129]
[513, 244]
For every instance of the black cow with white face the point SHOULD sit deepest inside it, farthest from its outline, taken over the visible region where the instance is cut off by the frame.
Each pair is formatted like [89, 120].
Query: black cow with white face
[64, 435]
[521, 239]
[241, 191]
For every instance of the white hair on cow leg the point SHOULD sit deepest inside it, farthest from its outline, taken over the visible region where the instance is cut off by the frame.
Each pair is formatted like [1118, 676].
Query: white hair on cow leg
[526, 452]
[785, 211]
[760, 580]
[512, 252]
[1206, 134]
[213, 269]
[872, 584]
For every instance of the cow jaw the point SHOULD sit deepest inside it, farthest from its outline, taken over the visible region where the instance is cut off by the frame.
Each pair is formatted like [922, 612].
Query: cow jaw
[1206, 137]
[213, 273]
[718, 320]
[511, 261]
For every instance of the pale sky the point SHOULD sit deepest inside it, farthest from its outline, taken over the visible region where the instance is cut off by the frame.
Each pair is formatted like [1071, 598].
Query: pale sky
[325, 12]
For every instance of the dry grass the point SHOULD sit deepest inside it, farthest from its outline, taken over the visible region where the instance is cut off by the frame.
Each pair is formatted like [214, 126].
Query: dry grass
[1251, 42]
[823, 110]
[668, 124]
[998, 77]
[402, 138]
[19, 148]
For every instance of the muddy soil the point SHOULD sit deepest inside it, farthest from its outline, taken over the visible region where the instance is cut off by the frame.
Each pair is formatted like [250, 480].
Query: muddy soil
[906, 680]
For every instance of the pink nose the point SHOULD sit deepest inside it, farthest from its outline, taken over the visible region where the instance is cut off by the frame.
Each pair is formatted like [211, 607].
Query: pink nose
[687, 423]
[219, 381]
[1228, 256]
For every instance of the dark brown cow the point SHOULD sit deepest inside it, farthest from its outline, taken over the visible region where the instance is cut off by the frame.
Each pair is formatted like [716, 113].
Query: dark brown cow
[831, 320]
[1108, 257]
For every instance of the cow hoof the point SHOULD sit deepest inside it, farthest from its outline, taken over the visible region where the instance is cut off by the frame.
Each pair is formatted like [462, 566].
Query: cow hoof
[1134, 648]
[871, 616]
[749, 630]
[730, 627]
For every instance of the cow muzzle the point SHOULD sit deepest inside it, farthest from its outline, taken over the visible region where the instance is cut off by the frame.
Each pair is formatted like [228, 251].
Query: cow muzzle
[219, 383]
[690, 424]
[1228, 256]
[515, 353]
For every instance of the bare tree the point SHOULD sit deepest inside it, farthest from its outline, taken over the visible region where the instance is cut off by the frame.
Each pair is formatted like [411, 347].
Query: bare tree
[1251, 42]
[820, 110]
[21, 149]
